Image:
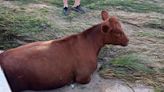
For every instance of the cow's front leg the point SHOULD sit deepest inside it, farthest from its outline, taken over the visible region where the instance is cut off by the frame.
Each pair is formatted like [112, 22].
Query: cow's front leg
[83, 79]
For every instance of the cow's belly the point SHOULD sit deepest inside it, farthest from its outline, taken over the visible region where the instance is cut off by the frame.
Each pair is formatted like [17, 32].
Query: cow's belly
[51, 75]
[38, 75]
[50, 81]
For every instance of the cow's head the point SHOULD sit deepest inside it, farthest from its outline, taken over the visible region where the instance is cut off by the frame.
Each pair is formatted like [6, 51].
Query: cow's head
[112, 31]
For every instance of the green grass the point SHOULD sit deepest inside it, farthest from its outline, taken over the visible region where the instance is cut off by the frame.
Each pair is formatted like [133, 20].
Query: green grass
[18, 23]
[151, 34]
[131, 62]
[26, 1]
[132, 67]
[159, 90]
[157, 24]
[127, 5]
[161, 70]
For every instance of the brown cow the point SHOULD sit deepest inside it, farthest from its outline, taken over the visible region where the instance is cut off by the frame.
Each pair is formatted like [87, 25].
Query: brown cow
[55, 63]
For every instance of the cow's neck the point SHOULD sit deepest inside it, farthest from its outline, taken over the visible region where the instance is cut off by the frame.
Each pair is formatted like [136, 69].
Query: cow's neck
[94, 37]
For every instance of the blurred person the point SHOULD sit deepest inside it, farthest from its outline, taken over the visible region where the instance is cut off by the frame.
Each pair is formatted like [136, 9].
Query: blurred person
[76, 7]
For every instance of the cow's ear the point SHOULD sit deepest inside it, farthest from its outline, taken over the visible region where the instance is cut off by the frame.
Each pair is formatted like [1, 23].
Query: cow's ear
[104, 15]
[105, 29]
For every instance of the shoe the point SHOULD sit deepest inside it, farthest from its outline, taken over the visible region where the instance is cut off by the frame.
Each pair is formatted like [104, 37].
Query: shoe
[78, 9]
[65, 11]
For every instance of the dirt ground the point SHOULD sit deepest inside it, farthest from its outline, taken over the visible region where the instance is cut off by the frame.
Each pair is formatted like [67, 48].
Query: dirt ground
[99, 84]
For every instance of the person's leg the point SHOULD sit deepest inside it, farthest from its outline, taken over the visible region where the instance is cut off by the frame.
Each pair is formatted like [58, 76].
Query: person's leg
[65, 9]
[76, 3]
[77, 7]
[65, 3]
